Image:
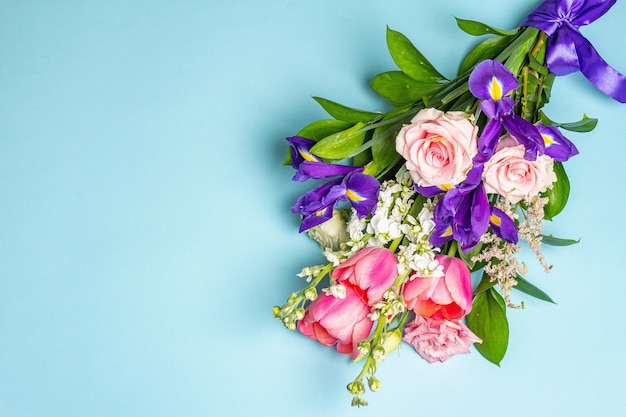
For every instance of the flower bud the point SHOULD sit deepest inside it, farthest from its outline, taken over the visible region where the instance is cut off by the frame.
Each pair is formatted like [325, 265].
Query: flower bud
[299, 313]
[392, 341]
[276, 310]
[332, 233]
[373, 383]
[356, 388]
[310, 293]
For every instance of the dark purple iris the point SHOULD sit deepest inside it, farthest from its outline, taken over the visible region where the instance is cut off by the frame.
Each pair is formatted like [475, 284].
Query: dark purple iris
[347, 184]
[492, 82]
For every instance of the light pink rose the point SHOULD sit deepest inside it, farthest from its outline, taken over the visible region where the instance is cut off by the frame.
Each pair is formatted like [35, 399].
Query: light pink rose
[371, 271]
[507, 172]
[331, 320]
[438, 147]
[446, 297]
[438, 340]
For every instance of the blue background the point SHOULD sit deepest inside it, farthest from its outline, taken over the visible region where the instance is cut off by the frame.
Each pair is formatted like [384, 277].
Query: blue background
[145, 231]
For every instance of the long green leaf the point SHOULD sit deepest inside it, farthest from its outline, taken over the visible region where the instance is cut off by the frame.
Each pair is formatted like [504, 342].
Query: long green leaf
[400, 89]
[474, 28]
[339, 145]
[584, 125]
[409, 59]
[487, 49]
[555, 241]
[347, 114]
[321, 128]
[558, 194]
[488, 321]
[526, 287]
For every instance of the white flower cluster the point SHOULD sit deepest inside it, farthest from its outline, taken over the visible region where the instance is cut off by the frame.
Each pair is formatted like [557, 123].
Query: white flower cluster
[392, 220]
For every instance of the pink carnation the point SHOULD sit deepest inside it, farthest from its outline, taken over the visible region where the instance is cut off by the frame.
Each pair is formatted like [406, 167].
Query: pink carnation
[438, 340]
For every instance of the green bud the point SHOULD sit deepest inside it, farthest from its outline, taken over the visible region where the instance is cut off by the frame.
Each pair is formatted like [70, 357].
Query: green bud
[392, 341]
[276, 310]
[356, 387]
[292, 298]
[358, 401]
[299, 313]
[378, 353]
[373, 383]
[310, 293]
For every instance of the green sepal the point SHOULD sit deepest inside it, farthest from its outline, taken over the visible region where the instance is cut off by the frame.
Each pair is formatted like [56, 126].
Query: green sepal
[474, 28]
[527, 288]
[409, 59]
[488, 321]
[584, 125]
[467, 256]
[556, 241]
[558, 194]
[400, 89]
[487, 49]
[347, 114]
[341, 144]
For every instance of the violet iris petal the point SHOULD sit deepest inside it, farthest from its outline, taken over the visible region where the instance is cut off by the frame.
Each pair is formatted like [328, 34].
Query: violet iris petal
[526, 134]
[503, 226]
[489, 138]
[491, 80]
[318, 170]
[558, 147]
[300, 152]
[362, 192]
[442, 232]
[315, 199]
[568, 50]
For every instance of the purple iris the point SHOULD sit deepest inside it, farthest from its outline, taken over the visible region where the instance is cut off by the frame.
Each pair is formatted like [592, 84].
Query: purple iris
[464, 214]
[492, 82]
[558, 147]
[351, 186]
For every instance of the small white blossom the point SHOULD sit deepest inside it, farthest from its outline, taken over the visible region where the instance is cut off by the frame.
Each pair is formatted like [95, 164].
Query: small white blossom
[336, 290]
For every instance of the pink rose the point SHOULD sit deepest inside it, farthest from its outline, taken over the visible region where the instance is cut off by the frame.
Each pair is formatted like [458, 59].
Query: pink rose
[438, 147]
[331, 320]
[447, 297]
[371, 271]
[507, 172]
[438, 340]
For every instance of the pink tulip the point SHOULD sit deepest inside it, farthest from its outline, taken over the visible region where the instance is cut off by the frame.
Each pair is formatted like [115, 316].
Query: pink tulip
[371, 272]
[331, 320]
[448, 297]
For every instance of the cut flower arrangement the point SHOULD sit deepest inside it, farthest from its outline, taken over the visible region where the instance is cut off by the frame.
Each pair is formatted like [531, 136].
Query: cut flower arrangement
[410, 203]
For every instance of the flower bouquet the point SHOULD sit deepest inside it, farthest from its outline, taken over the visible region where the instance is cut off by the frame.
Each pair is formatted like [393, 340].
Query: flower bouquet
[410, 203]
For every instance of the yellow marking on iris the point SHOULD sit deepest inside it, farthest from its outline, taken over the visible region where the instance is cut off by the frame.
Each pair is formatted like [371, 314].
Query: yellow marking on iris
[495, 220]
[307, 156]
[495, 88]
[320, 212]
[445, 187]
[547, 139]
[447, 233]
[354, 196]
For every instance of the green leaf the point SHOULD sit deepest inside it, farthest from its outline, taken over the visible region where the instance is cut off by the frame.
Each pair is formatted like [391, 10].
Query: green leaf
[409, 59]
[488, 321]
[526, 287]
[384, 150]
[339, 145]
[347, 114]
[474, 28]
[484, 284]
[321, 128]
[400, 89]
[487, 49]
[558, 194]
[555, 241]
[586, 124]
[467, 256]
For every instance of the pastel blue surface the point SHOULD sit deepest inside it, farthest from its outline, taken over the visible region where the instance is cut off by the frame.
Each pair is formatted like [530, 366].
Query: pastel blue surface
[145, 231]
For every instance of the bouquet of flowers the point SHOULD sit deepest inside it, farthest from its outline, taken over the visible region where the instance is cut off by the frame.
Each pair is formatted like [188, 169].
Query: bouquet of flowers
[410, 203]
